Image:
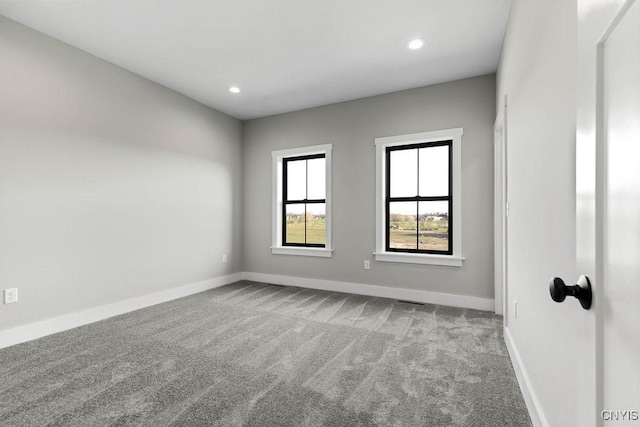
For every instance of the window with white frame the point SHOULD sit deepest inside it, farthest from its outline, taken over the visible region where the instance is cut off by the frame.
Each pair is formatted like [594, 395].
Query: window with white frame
[418, 216]
[302, 201]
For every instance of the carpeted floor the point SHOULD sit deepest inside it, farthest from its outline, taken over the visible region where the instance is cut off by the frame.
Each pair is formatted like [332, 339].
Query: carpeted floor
[253, 354]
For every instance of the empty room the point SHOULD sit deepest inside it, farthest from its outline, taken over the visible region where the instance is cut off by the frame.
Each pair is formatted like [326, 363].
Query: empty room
[329, 213]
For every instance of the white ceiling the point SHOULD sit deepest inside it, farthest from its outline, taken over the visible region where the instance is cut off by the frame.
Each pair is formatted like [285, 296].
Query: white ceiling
[285, 55]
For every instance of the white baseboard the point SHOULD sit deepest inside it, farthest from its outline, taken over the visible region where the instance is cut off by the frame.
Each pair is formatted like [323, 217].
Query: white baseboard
[42, 328]
[376, 291]
[530, 398]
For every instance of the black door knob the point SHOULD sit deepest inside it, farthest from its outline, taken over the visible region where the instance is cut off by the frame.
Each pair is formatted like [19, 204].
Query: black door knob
[581, 290]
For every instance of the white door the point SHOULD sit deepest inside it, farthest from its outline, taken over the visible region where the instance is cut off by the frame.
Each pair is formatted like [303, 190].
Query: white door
[608, 197]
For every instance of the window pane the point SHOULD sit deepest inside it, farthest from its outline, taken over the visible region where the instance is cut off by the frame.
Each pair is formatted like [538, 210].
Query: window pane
[434, 226]
[434, 171]
[296, 180]
[404, 173]
[316, 225]
[402, 225]
[295, 223]
[316, 176]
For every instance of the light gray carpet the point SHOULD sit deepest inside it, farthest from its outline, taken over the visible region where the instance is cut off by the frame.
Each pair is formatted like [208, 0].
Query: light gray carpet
[259, 355]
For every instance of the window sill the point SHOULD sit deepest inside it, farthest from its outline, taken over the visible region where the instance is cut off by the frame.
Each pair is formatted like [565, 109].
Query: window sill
[447, 260]
[298, 251]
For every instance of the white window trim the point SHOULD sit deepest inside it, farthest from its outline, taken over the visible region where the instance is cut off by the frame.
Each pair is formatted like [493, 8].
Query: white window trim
[276, 219]
[454, 260]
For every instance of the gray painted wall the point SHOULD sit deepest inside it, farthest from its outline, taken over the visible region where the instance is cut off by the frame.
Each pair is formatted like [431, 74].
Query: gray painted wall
[351, 127]
[111, 186]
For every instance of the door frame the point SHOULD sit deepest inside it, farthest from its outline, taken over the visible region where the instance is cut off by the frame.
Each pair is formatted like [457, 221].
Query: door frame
[501, 211]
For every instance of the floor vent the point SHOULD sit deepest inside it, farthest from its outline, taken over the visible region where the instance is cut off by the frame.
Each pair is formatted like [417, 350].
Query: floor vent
[410, 302]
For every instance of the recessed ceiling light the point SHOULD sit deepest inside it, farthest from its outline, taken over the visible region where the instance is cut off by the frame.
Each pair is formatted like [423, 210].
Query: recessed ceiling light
[416, 43]
[234, 89]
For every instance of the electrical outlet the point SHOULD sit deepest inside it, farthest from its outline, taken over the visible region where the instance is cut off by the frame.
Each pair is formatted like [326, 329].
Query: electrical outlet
[515, 309]
[367, 264]
[10, 295]
[224, 257]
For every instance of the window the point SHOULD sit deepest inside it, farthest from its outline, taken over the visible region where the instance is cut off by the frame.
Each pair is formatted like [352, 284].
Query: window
[302, 201]
[418, 198]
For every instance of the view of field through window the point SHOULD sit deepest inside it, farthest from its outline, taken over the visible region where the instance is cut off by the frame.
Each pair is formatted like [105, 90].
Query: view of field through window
[426, 229]
[310, 223]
